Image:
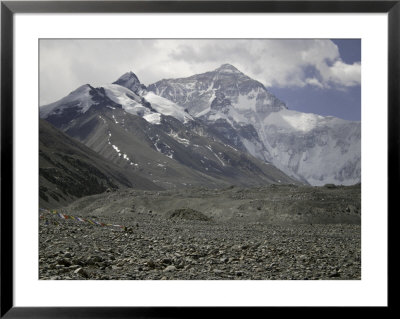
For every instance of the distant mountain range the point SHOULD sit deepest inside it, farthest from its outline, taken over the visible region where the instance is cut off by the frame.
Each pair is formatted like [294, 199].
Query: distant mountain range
[213, 129]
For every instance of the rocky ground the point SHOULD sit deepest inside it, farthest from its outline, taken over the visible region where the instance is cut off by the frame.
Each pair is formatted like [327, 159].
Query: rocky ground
[189, 243]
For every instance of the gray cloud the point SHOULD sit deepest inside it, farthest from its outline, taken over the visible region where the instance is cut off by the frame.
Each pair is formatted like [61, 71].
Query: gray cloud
[67, 64]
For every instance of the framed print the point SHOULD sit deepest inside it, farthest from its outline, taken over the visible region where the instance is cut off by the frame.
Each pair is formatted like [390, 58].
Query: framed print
[163, 155]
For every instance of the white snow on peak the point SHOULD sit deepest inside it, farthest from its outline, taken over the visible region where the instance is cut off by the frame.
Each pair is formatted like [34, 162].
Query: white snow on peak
[227, 68]
[80, 96]
[131, 103]
[167, 107]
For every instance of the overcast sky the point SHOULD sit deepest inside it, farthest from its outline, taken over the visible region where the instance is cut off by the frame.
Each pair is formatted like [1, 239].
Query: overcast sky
[318, 76]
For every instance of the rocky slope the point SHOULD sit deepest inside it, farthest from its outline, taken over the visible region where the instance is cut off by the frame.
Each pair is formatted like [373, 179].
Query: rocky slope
[318, 235]
[69, 170]
[274, 204]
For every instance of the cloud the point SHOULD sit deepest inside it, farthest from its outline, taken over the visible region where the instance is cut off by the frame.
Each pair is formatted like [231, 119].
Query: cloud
[67, 64]
[344, 74]
[314, 82]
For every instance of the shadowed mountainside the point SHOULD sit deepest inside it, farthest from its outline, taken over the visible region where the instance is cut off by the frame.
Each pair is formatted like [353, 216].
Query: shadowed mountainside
[69, 170]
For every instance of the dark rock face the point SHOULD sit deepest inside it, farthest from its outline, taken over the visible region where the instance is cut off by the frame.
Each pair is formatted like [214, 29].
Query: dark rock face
[226, 133]
[131, 81]
[221, 103]
[59, 118]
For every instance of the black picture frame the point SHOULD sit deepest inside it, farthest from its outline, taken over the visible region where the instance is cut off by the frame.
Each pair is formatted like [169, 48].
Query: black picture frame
[9, 8]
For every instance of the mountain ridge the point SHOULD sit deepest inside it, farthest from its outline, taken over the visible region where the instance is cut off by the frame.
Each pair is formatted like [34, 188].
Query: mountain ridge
[172, 150]
[232, 103]
[229, 107]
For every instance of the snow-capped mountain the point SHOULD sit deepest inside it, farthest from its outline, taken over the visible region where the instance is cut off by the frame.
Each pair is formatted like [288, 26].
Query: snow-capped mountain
[309, 147]
[155, 137]
[138, 102]
[224, 93]
[143, 103]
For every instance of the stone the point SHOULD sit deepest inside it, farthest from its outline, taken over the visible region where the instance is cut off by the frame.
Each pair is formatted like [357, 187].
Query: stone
[82, 272]
[64, 262]
[170, 268]
[167, 261]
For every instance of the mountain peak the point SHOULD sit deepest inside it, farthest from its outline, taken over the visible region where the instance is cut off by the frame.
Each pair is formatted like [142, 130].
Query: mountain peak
[128, 76]
[227, 68]
[130, 81]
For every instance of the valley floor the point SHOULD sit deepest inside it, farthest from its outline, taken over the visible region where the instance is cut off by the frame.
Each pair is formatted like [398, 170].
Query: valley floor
[160, 248]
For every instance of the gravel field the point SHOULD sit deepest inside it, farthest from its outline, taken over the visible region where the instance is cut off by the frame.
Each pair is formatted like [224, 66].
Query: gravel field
[189, 245]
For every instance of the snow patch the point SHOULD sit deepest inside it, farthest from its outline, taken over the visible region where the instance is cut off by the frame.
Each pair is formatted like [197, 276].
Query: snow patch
[221, 161]
[167, 107]
[116, 148]
[294, 121]
[80, 97]
[153, 118]
[115, 120]
[179, 139]
[204, 112]
[246, 102]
